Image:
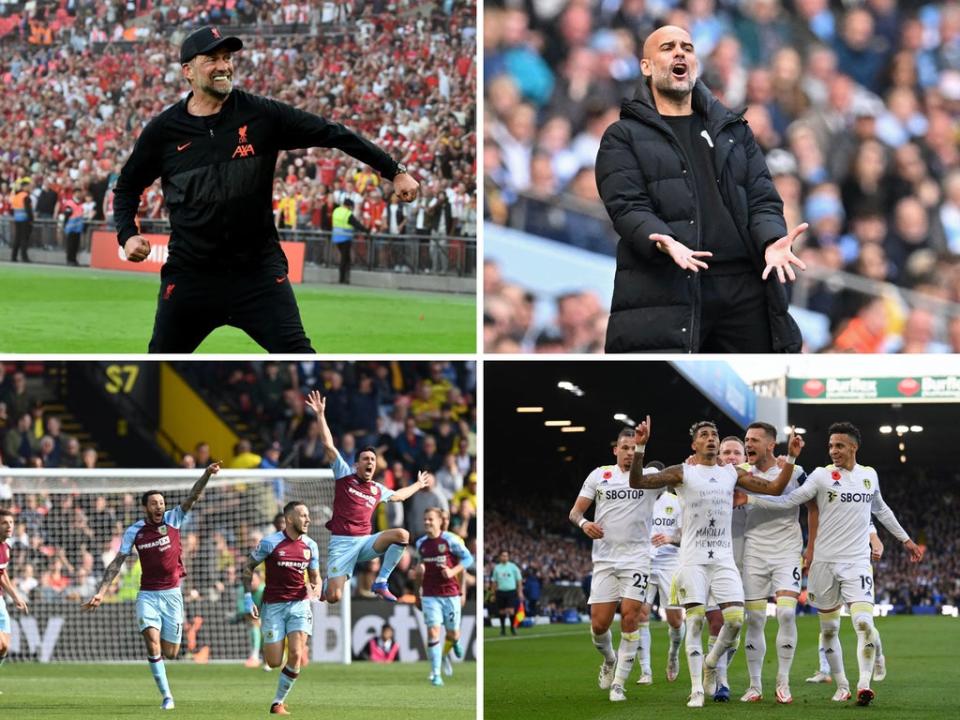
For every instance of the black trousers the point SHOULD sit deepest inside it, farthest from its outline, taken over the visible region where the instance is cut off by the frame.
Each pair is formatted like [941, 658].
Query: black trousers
[733, 314]
[73, 247]
[345, 249]
[192, 304]
[21, 239]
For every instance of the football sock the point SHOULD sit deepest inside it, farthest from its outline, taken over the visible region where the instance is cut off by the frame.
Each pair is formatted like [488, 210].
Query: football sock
[159, 671]
[3, 659]
[390, 559]
[824, 665]
[643, 651]
[756, 643]
[625, 656]
[786, 635]
[829, 630]
[732, 621]
[862, 615]
[433, 651]
[694, 623]
[254, 641]
[876, 641]
[288, 676]
[676, 637]
[604, 645]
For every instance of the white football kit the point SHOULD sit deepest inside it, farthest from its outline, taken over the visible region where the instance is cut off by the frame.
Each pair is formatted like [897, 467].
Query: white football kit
[667, 519]
[706, 545]
[773, 543]
[841, 570]
[621, 558]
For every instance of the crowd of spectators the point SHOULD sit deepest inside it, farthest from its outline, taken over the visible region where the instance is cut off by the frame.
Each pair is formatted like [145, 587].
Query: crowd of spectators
[855, 104]
[553, 555]
[420, 416]
[32, 437]
[401, 73]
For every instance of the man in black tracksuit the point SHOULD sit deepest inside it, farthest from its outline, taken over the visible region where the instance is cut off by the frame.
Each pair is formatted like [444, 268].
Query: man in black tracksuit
[215, 152]
[685, 182]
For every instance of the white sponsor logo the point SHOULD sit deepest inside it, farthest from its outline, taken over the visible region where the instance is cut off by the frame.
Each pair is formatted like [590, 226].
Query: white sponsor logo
[165, 540]
[370, 500]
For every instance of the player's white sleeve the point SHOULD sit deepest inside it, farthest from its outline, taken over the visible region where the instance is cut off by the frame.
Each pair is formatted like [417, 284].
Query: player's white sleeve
[340, 467]
[804, 493]
[589, 488]
[885, 515]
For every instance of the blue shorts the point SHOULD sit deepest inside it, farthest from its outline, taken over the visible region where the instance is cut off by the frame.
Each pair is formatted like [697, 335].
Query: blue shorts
[4, 618]
[161, 609]
[348, 550]
[277, 620]
[444, 611]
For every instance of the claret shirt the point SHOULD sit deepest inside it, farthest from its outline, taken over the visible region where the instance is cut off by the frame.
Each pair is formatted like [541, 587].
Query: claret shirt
[286, 562]
[159, 549]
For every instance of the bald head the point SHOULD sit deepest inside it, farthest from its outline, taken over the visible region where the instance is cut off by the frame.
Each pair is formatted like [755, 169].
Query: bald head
[670, 65]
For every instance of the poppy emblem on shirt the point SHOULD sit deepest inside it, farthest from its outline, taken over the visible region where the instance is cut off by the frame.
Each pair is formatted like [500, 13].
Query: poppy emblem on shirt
[607, 475]
[835, 475]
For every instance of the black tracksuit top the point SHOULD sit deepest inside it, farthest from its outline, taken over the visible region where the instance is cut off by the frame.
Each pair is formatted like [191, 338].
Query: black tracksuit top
[217, 176]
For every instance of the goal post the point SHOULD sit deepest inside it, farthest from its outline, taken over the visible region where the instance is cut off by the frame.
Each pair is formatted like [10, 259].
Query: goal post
[69, 526]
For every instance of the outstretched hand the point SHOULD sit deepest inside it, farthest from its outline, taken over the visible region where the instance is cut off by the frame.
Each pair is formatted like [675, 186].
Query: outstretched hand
[778, 256]
[684, 257]
[316, 402]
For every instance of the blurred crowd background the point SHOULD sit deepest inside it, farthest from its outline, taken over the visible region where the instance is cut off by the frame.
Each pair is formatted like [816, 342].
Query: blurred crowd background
[855, 104]
[82, 78]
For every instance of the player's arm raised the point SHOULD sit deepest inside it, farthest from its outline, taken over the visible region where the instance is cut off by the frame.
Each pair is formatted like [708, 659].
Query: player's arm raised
[316, 402]
[249, 606]
[12, 592]
[592, 530]
[755, 484]
[411, 489]
[113, 569]
[197, 490]
[672, 475]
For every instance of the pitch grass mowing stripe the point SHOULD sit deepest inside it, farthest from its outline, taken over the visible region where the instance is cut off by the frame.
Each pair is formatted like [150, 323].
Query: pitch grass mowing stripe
[68, 310]
[556, 677]
[361, 691]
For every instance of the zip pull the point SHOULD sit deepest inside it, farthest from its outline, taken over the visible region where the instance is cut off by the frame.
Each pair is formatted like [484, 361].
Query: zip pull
[211, 132]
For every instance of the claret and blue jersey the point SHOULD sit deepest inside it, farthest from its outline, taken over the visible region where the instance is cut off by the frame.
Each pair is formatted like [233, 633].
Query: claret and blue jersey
[286, 561]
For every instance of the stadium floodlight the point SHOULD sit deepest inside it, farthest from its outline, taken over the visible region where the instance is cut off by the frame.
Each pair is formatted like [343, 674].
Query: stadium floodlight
[570, 387]
[574, 428]
[557, 423]
[236, 510]
[901, 429]
[903, 446]
[619, 416]
[903, 458]
[625, 419]
[562, 448]
[800, 430]
[916, 428]
[530, 409]
[886, 429]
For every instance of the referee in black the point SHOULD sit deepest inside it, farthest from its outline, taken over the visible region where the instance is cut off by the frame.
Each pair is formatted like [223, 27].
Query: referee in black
[215, 152]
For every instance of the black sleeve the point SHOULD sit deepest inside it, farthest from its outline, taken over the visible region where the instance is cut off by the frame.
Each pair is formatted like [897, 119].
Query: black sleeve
[299, 129]
[356, 224]
[28, 206]
[139, 172]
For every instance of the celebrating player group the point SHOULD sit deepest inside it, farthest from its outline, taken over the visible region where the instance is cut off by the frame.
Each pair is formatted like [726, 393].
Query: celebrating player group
[717, 537]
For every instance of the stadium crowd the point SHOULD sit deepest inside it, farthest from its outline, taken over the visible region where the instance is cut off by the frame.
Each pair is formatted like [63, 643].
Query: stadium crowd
[856, 105]
[72, 110]
[421, 416]
[553, 554]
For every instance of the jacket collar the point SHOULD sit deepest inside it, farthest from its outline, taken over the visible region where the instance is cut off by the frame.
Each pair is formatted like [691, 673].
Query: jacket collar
[714, 112]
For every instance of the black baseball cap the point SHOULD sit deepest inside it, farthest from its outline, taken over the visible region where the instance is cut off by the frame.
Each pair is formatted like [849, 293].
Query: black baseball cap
[205, 40]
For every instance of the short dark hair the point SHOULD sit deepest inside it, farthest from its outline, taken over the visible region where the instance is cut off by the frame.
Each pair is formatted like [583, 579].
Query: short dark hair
[291, 505]
[734, 438]
[627, 432]
[147, 494]
[5, 511]
[655, 464]
[278, 516]
[368, 448]
[695, 428]
[845, 428]
[766, 427]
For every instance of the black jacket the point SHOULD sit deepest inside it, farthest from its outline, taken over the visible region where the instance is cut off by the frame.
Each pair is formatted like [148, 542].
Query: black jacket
[217, 176]
[643, 179]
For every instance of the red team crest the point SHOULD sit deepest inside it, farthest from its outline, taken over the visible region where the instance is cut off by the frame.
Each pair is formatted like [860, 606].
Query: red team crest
[244, 147]
[215, 33]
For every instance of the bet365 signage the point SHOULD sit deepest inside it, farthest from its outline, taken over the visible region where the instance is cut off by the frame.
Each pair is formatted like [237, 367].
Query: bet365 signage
[919, 388]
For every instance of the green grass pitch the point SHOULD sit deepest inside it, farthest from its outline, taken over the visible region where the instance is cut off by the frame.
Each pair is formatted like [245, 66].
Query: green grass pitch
[230, 692]
[68, 310]
[551, 672]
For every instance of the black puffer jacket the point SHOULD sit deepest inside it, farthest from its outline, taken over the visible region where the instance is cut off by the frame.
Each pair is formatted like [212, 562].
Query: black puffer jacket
[647, 187]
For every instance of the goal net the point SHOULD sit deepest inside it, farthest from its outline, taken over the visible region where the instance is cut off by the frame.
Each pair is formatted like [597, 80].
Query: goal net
[69, 526]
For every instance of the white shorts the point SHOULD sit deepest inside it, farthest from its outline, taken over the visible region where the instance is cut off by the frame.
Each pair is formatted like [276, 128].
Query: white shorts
[611, 583]
[762, 577]
[831, 584]
[693, 583]
[662, 579]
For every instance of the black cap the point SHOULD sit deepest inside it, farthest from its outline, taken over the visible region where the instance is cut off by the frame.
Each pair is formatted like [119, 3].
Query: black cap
[205, 40]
